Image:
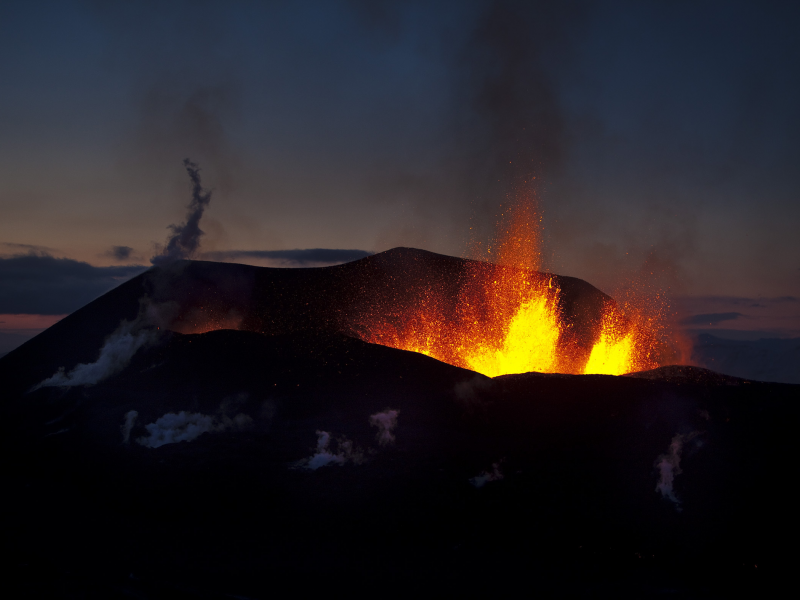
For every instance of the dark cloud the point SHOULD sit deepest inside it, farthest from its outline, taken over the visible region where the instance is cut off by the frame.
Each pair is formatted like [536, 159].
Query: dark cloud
[290, 258]
[711, 318]
[740, 300]
[41, 284]
[27, 248]
[748, 318]
[120, 253]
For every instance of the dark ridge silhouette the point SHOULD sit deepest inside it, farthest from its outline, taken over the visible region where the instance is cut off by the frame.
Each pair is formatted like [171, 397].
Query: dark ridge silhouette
[291, 258]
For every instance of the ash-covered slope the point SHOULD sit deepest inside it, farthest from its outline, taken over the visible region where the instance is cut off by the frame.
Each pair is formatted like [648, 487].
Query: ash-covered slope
[191, 474]
[196, 296]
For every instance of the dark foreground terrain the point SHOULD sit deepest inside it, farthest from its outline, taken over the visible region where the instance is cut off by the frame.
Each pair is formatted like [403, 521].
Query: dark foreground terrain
[291, 456]
[235, 511]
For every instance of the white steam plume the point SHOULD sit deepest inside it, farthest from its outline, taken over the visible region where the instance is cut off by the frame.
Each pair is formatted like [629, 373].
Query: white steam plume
[324, 456]
[385, 421]
[129, 337]
[467, 391]
[127, 426]
[185, 427]
[118, 348]
[115, 355]
[485, 477]
[470, 392]
[669, 467]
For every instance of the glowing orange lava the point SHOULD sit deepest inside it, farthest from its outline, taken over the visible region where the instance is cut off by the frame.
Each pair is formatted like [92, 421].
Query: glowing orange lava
[204, 319]
[615, 352]
[506, 321]
[509, 318]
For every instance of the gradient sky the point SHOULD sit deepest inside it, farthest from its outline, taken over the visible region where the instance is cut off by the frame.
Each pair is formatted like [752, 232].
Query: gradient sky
[661, 135]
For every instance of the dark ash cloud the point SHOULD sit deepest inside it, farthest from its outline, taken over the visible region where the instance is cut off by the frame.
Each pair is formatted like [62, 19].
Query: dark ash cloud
[711, 318]
[290, 258]
[510, 130]
[509, 89]
[38, 283]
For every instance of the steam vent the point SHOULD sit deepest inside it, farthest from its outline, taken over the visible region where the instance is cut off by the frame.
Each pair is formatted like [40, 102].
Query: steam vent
[404, 422]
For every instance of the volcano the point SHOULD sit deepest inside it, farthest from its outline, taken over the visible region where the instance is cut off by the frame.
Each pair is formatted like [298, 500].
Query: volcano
[253, 437]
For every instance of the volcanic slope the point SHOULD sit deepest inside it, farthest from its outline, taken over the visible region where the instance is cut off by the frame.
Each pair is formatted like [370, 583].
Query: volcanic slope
[196, 296]
[276, 449]
[231, 463]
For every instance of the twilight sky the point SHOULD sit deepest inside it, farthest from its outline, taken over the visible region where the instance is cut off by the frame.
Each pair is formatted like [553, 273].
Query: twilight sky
[660, 134]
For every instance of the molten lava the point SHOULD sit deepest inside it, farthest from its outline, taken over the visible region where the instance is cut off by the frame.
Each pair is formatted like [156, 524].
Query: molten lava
[527, 343]
[508, 318]
[614, 352]
[505, 321]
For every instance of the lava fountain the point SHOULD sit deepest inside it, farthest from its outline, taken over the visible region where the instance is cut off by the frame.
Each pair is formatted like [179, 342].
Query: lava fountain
[509, 318]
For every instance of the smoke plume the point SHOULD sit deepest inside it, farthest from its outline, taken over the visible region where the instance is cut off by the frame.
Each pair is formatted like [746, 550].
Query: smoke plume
[115, 355]
[468, 392]
[385, 421]
[669, 467]
[185, 427]
[324, 455]
[118, 349]
[129, 337]
[486, 477]
[127, 426]
[185, 239]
